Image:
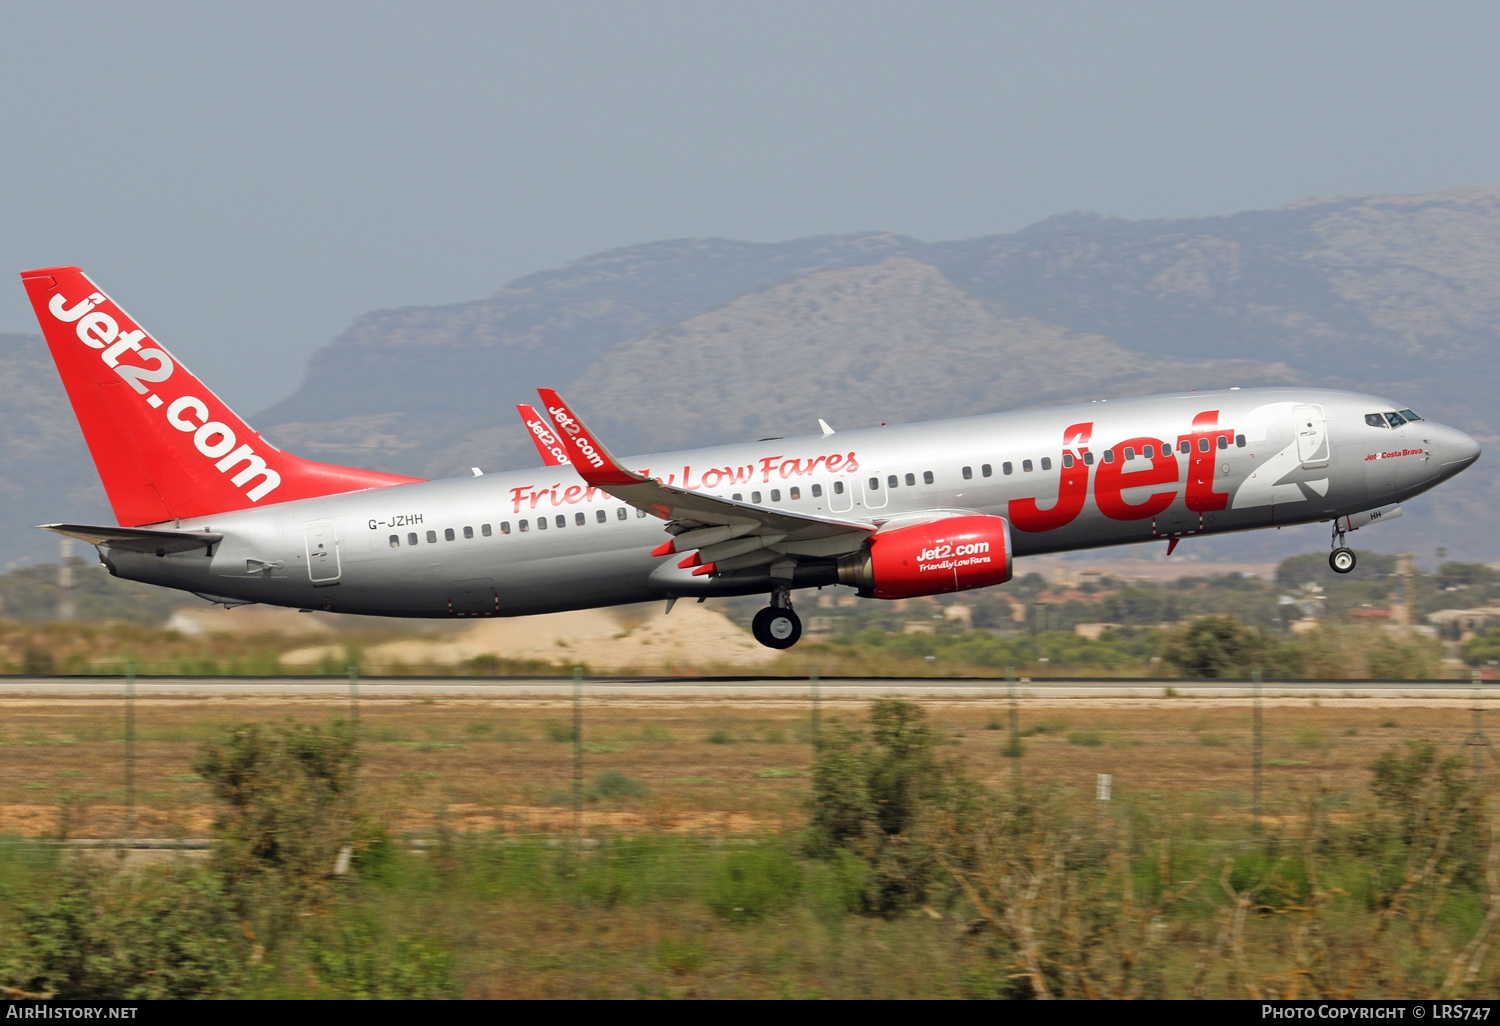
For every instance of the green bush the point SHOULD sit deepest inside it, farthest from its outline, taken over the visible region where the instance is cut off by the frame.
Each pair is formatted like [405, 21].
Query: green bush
[287, 808]
[753, 882]
[877, 797]
[356, 962]
[559, 733]
[614, 784]
[97, 934]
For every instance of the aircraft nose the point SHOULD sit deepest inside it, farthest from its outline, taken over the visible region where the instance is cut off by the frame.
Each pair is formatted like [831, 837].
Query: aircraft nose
[1456, 451]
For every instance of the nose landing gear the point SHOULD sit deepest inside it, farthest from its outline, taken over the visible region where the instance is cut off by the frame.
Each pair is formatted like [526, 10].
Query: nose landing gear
[777, 626]
[1341, 558]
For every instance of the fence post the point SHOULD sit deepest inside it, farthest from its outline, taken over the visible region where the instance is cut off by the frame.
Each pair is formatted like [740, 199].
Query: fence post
[354, 694]
[578, 752]
[1477, 739]
[1014, 750]
[817, 718]
[1255, 747]
[130, 751]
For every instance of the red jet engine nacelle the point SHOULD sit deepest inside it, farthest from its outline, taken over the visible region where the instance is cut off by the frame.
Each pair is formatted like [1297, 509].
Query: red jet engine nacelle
[953, 554]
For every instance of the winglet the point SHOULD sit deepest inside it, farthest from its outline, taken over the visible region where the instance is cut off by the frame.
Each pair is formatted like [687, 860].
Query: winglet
[542, 436]
[590, 458]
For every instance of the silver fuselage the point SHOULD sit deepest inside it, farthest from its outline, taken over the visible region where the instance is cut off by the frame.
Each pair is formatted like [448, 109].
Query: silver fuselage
[1289, 456]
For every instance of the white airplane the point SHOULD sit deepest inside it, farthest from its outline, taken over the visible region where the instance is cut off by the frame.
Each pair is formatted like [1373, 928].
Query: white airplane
[206, 505]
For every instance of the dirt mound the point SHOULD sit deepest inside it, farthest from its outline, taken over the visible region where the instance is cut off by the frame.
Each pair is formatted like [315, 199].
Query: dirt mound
[636, 638]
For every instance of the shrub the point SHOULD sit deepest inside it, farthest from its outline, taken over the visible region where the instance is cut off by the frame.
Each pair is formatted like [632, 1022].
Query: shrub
[877, 798]
[614, 784]
[559, 733]
[1213, 646]
[753, 882]
[96, 934]
[287, 809]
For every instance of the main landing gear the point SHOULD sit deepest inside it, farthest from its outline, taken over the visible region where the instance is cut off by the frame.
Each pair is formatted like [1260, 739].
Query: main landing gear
[1341, 558]
[776, 626]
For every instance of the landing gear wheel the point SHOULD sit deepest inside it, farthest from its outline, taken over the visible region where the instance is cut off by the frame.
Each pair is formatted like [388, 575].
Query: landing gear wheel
[776, 628]
[1342, 560]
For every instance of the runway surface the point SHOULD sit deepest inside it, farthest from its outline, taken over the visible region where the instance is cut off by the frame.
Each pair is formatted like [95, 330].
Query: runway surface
[691, 688]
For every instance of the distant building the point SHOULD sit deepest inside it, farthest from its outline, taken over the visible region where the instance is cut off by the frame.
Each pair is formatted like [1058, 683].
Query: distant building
[1093, 630]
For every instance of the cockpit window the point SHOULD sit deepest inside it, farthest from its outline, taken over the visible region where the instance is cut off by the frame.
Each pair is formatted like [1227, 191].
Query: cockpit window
[1375, 420]
[1395, 419]
[1410, 416]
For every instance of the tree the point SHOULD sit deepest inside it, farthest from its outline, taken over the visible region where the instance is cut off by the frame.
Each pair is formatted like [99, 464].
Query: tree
[1213, 646]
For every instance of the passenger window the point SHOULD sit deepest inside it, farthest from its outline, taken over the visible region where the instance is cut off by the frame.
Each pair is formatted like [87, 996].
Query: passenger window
[968, 473]
[1088, 459]
[927, 477]
[1184, 447]
[775, 494]
[838, 488]
[1148, 451]
[411, 539]
[580, 518]
[892, 481]
[395, 541]
[1375, 420]
[525, 526]
[986, 470]
[1026, 466]
[1130, 452]
[448, 534]
[817, 491]
[1239, 440]
[738, 497]
[796, 494]
[639, 512]
[431, 537]
[1410, 416]
[541, 523]
[1203, 445]
[1067, 461]
[468, 532]
[874, 484]
[1046, 462]
[562, 521]
[755, 497]
[1109, 455]
[505, 527]
[1395, 419]
[620, 514]
[1223, 441]
[601, 516]
[1007, 468]
[911, 480]
[485, 530]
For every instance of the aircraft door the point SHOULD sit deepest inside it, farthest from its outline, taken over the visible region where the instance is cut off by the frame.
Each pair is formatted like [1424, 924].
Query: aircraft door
[841, 494]
[876, 494]
[321, 540]
[476, 597]
[1312, 436]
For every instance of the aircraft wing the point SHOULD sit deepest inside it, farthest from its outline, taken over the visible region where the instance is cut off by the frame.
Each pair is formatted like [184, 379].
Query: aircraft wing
[548, 446]
[141, 539]
[728, 535]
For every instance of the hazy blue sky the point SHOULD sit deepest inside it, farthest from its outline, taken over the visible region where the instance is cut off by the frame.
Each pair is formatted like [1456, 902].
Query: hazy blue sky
[247, 178]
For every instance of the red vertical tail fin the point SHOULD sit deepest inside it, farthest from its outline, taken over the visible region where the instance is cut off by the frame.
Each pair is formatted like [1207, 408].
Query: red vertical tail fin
[166, 447]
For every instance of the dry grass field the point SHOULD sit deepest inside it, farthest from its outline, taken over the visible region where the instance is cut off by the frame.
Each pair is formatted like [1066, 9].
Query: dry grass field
[705, 768]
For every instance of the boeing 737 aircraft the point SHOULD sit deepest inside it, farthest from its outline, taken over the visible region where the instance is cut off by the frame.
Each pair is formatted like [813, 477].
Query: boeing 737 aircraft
[207, 505]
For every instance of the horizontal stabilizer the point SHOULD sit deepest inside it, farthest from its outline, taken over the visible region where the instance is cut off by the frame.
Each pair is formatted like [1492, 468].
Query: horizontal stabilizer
[138, 539]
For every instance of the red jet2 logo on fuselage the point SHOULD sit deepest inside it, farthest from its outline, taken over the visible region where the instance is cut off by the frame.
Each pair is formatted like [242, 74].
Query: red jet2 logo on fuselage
[1111, 478]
